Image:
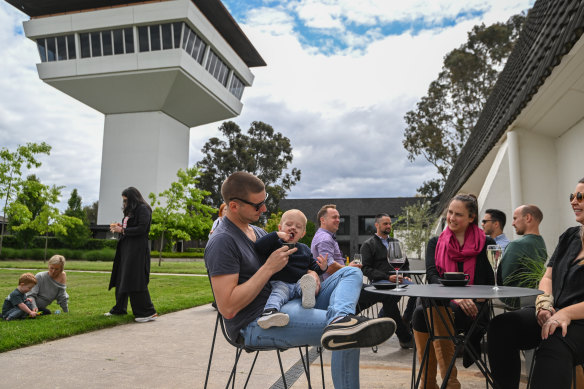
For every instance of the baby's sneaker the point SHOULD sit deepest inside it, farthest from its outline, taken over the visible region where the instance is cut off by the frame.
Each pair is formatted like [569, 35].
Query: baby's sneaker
[308, 287]
[273, 318]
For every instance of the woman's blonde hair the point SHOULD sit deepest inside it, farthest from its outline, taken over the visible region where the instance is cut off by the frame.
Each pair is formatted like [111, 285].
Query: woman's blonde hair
[57, 260]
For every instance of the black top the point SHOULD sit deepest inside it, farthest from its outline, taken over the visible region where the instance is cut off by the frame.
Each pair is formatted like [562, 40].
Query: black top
[298, 263]
[374, 258]
[483, 271]
[567, 274]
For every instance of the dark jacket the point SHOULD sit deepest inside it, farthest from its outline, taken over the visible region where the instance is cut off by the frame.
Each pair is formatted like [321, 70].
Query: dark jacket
[374, 257]
[483, 271]
[567, 276]
[131, 269]
[298, 263]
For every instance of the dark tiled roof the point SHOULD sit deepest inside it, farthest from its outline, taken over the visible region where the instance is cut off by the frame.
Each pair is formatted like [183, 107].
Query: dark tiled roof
[214, 11]
[351, 206]
[550, 31]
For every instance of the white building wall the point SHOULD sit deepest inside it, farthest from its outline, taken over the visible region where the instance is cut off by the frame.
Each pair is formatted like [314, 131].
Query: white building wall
[570, 169]
[144, 150]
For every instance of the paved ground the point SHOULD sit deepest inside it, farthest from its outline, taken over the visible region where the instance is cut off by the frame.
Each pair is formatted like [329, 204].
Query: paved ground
[173, 352]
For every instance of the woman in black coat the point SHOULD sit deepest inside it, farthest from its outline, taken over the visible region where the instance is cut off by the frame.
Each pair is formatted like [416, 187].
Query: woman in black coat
[131, 269]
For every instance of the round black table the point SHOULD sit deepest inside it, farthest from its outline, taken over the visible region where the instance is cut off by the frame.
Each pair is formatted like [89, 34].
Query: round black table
[432, 293]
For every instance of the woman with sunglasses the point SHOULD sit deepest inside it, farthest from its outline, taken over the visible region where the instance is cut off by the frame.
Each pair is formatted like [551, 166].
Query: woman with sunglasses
[555, 326]
[131, 269]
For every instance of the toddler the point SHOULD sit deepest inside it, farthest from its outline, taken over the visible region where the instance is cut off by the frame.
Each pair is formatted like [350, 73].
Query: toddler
[292, 281]
[16, 305]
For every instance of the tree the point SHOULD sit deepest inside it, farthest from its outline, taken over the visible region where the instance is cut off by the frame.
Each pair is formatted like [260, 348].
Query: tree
[91, 212]
[262, 152]
[48, 220]
[179, 213]
[441, 123]
[11, 163]
[32, 198]
[414, 226]
[79, 234]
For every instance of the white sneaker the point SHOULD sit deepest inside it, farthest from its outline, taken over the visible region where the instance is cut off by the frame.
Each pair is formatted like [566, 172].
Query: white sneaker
[308, 287]
[273, 318]
[146, 319]
[108, 314]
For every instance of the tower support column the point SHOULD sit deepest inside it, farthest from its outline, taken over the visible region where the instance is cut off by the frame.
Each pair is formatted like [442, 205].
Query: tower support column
[144, 150]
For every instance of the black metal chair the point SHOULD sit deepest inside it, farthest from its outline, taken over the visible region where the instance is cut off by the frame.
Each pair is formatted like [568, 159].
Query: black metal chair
[574, 374]
[240, 347]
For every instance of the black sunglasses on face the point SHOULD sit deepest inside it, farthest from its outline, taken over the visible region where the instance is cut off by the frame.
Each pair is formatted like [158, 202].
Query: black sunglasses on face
[257, 206]
[578, 195]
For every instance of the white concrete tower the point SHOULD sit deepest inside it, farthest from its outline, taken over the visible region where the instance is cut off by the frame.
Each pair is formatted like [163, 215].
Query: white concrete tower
[154, 68]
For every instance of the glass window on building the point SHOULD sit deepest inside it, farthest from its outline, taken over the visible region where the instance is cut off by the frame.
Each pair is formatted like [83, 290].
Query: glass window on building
[95, 44]
[61, 48]
[176, 31]
[42, 46]
[155, 37]
[84, 44]
[143, 41]
[71, 52]
[51, 49]
[106, 38]
[129, 39]
[367, 225]
[344, 226]
[166, 30]
[118, 36]
[236, 87]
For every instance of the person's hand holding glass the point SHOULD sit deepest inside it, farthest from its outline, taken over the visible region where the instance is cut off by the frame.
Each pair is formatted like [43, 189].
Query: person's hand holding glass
[396, 258]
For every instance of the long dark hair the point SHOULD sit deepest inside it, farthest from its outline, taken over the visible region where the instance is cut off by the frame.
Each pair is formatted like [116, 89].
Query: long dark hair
[134, 200]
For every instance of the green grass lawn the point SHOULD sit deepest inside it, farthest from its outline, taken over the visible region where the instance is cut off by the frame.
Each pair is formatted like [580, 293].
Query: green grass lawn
[89, 299]
[166, 267]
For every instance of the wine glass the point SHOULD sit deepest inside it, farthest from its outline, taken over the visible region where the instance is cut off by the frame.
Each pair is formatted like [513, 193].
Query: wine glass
[357, 259]
[494, 253]
[396, 259]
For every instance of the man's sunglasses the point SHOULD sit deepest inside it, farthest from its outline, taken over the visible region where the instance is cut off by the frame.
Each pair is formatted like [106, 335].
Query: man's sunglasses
[257, 206]
[578, 195]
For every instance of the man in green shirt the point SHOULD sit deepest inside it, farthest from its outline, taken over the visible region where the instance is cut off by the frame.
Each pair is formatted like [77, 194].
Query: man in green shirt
[531, 246]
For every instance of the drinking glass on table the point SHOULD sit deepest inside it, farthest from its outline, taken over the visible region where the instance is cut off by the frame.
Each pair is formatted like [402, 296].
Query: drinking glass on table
[357, 259]
[396, 259]
[494, 253]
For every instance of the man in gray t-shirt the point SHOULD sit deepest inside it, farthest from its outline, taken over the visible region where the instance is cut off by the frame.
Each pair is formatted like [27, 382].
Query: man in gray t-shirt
[241, 288]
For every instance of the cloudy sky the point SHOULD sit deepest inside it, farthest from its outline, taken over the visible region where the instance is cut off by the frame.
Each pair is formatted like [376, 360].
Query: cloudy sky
[341, 75]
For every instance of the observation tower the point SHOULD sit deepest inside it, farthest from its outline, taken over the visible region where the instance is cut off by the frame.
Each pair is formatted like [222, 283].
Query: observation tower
[153, 68]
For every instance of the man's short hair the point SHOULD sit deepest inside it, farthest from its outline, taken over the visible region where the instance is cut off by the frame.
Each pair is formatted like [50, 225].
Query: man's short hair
[241, 184]
[27, 279]
[498, 216]
[532, 210]
[323, 210]
[381, 215]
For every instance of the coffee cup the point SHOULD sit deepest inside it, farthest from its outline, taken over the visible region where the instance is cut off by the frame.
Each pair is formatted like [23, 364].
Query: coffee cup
[456, 276]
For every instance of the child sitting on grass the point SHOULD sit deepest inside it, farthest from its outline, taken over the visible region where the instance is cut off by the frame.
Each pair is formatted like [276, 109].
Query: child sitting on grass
[292, 281]
[16, 305]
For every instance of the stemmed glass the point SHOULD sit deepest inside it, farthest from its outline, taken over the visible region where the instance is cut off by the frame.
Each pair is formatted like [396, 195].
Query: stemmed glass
[396, 259]
[494, 253]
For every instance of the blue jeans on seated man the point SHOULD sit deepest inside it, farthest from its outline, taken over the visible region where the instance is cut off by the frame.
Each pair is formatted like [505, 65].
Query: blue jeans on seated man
[337, 298]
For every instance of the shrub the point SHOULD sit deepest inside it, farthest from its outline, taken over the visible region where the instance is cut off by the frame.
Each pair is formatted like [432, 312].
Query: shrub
[165, 254]
[105, 254]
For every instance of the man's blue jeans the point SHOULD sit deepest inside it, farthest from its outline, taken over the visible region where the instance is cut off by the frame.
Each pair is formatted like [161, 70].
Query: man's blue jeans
[337, 297]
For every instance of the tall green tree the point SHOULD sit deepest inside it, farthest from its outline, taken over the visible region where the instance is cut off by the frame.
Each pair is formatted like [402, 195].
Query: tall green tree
[11, 165]
[32, 196]
[414, 227]
[78, 234]
[441, 123]
[179, 212]
[262, 151]
[49, 220]
[91, 212]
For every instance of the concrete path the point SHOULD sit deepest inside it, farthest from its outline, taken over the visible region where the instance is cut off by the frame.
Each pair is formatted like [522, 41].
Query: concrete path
[173, 351]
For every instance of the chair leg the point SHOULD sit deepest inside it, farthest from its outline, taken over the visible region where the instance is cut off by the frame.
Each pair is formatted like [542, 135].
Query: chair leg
[282, 369]
[306, 365]
[234, 369]
[319, 351]
[211, 353]
[251, 369]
